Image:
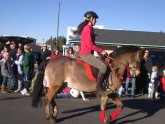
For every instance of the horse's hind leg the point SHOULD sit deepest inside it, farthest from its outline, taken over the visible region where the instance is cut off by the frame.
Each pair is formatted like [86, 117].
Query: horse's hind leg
[116, 100]
[54, 109]
[49, 99]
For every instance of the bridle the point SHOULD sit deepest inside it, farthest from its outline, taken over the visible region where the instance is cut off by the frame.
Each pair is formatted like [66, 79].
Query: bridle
[115, 70]
[108, 61]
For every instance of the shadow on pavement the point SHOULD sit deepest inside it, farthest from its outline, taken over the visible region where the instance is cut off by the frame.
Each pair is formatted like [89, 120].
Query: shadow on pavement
[142, 106]
[11, 96]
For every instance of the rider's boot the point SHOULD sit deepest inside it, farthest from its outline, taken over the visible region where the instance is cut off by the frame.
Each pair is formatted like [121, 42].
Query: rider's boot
[99, 88]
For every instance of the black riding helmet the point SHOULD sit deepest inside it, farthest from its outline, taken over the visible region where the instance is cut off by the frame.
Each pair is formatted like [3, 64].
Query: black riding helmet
[90, 14]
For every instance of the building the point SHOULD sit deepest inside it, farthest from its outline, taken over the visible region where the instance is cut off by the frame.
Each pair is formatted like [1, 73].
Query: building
[109, 40]
[17, 39]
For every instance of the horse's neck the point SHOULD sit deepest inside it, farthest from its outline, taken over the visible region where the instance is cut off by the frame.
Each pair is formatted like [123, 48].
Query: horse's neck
[121, 63]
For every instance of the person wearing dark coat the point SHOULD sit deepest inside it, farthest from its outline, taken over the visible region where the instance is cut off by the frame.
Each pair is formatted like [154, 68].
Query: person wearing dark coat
[146, 69]
[45, 56]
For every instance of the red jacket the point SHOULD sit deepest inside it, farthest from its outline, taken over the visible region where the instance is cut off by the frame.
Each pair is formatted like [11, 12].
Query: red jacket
[162, 83]
[53, 56]
[87, 41]
[129, 74]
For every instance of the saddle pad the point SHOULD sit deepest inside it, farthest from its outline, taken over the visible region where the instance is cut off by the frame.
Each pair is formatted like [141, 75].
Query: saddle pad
[88, 69]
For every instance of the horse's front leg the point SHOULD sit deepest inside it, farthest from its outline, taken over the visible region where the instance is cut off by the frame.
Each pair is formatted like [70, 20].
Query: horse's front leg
[103, 109]
[116, 100]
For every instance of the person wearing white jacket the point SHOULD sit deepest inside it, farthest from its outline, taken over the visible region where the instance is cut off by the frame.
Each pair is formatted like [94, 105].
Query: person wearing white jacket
[19, 63]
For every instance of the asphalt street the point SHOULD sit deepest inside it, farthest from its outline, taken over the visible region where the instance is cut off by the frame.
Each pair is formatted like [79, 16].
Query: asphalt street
[16, 109]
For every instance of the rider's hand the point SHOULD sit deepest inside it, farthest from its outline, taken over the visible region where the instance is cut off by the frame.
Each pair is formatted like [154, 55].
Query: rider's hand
[104, 53]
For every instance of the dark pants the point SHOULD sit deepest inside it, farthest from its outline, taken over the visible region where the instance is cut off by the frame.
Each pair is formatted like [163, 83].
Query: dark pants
[27, 80]
[9, 82]
[4, 82]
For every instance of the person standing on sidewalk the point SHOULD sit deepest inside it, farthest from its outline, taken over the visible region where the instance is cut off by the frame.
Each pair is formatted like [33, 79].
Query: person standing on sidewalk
[19, 63]
[130, 79]
[28, 69]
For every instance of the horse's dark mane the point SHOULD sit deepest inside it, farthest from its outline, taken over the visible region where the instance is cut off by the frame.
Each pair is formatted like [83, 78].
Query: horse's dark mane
[123, 50]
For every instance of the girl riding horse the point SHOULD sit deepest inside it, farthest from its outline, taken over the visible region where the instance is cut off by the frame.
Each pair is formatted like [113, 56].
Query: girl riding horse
[88, 46]
[65, 69]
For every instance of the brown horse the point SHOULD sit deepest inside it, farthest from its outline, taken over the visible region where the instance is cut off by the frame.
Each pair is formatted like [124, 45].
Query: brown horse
[65, 69]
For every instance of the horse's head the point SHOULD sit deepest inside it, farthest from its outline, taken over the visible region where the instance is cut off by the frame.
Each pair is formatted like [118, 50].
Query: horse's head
[134, 63]
[126, 56]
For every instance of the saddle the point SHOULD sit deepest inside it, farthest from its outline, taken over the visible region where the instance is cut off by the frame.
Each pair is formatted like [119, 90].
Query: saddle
[92, 72]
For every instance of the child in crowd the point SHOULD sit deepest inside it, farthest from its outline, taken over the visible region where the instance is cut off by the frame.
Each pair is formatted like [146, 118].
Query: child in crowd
[121, 90]
[28, 69]
[130, 79]
[19, 63]
[6, 70]
[162, 86]
[154, 81]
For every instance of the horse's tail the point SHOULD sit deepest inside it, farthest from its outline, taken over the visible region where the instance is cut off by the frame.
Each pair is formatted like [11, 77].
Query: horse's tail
[37, 89]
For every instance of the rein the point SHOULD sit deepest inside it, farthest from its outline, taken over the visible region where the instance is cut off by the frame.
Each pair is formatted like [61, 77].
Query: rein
[115, 69]
[110, 58]
[108, 61]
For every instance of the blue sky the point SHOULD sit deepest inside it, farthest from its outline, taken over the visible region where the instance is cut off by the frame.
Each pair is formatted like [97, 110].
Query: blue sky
[38, 18]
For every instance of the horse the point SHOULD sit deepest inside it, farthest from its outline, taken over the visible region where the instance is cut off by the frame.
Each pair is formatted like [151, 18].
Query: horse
[64, 69]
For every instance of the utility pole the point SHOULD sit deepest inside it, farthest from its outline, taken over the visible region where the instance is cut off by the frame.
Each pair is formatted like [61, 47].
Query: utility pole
[58, 22]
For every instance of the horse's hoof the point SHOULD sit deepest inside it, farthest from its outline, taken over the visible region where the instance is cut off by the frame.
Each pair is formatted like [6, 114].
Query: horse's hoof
[54, 115]
[107, 120]
[48, 117]
[52, 121]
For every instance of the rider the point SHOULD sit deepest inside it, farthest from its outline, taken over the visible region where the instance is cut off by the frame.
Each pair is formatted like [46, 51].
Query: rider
[85, 29]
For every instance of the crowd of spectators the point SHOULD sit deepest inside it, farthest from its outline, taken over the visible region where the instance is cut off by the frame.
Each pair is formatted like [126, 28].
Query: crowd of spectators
[17, 68]
[148, 84]
[18, 63]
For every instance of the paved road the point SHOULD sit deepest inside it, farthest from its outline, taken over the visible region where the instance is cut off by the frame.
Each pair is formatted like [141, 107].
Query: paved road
[16, 109]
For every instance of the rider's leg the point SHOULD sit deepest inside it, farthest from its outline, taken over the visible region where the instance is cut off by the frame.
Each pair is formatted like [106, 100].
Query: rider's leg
[99, 64]
[100, 78]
